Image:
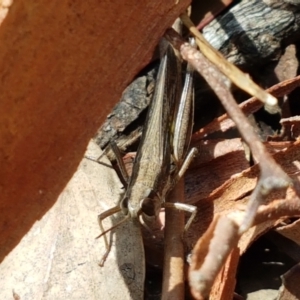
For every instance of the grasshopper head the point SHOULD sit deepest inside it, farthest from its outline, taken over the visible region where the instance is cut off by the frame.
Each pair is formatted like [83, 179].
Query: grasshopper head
[147, 205]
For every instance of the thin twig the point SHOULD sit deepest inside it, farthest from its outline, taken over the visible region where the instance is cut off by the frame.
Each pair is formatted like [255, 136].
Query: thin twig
[223, 237]
[231, 71]
[278, 209]
[173, 271]
[248, 107]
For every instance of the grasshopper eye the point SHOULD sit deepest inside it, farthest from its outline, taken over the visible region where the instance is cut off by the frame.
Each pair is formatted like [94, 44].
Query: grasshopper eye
[148, 207]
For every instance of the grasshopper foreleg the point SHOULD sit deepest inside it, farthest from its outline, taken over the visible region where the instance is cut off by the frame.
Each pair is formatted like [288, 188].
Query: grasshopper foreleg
[117, 157]
[120, 163]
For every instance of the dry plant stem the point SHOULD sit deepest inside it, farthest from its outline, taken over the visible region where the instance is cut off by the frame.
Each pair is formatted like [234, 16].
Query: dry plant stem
[248, 107]
[231, 71]
[278, 209]
[173, 274]
[223, 237]
[272, 176]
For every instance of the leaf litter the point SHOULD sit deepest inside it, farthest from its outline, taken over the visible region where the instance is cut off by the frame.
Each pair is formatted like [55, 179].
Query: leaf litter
[59, 257]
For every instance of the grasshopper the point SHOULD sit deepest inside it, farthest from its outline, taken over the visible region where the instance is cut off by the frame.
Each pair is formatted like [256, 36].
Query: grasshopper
[182, 126]
[163, 144]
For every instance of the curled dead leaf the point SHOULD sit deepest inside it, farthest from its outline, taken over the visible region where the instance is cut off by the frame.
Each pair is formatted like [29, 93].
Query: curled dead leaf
[59, 256]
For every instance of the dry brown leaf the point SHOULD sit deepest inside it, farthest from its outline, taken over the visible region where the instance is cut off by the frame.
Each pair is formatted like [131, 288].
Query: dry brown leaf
[291, 231]
[215, 245]
[224, 284]
[210, 253]
[241, 184]
[222, 231]
[212, 149]
[204, 179]
[235, 188]
[201, 182]
[58, 258]
[254, 233]
[229, 173]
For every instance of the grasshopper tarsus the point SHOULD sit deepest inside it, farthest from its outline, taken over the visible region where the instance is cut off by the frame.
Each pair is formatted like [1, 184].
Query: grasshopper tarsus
[121, 170]
[191, 219]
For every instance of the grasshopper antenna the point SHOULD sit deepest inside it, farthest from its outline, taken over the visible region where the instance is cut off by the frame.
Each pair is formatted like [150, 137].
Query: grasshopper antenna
[113, 227]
